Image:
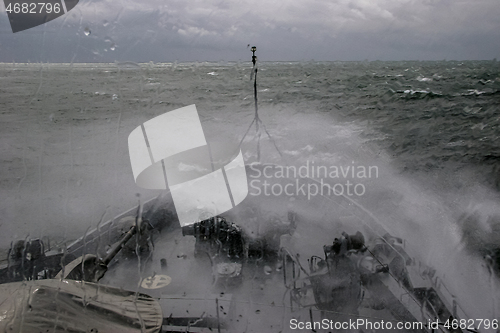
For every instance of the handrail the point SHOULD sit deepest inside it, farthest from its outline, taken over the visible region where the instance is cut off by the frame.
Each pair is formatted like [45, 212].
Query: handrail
[295, 260]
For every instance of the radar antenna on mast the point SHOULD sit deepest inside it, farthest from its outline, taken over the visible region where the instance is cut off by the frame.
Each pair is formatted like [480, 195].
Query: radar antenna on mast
[256, 119]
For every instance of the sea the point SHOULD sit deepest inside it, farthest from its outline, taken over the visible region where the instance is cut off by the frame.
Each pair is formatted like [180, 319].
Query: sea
[427, 130]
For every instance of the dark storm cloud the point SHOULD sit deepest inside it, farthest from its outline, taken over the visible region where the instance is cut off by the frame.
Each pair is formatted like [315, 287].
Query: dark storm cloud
[283, 30]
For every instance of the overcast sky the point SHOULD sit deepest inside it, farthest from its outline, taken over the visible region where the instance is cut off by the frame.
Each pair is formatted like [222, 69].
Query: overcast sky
[213, 30]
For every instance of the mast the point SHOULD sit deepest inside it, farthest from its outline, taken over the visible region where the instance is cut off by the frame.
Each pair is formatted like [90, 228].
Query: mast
[256, 119]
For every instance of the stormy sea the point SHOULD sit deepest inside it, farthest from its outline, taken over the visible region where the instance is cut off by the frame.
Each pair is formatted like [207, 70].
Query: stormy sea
[418, 142]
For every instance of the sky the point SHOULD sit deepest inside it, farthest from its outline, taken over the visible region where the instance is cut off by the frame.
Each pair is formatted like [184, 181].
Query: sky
[282, 30]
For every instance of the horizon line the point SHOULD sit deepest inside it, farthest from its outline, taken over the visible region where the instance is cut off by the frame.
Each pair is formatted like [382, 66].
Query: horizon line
[132, 63]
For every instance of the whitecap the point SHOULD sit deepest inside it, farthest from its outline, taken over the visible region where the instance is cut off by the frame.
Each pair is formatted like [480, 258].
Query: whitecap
[292, 152]
[189, 167]
[424, 79]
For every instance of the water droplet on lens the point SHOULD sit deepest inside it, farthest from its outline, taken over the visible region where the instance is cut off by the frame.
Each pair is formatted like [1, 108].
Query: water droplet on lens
[112, 47]
[105, 23]
[86, 31]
